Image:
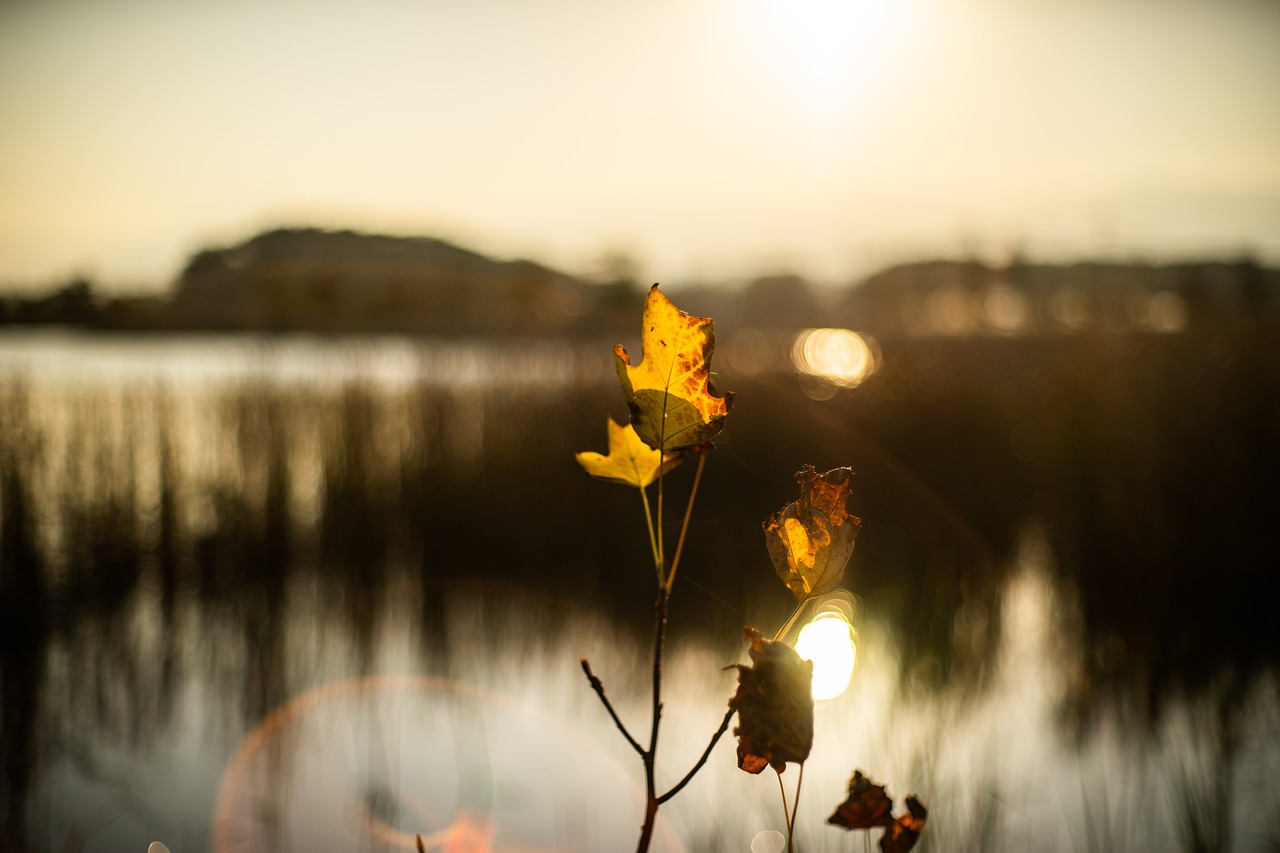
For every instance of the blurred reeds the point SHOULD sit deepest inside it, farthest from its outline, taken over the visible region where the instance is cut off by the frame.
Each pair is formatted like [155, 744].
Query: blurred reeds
[1149, 462]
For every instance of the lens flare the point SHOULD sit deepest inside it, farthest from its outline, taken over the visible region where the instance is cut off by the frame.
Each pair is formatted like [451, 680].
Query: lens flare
[768, 841]
[828, 642]
[840, 356]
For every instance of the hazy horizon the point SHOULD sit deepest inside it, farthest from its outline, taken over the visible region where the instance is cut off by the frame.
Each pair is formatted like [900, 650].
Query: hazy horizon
[707, 140]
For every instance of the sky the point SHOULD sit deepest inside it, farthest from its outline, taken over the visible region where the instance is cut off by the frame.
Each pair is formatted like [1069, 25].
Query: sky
[706, 140]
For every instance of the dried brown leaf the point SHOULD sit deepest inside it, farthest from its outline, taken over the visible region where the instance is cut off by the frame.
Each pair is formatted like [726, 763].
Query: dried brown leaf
[774, 702]
[811, 539]
[866, 807]
[901, 835]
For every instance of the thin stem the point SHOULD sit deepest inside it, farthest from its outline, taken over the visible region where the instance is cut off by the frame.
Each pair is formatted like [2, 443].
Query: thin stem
[789, 814]
[598, 686]
[650, 755]
[795, 614]
[653, 542]
[786, 812]
[662, 452]
[659, 643]
[688, 513]
[795, 807]
[715, 738]
[662, 557]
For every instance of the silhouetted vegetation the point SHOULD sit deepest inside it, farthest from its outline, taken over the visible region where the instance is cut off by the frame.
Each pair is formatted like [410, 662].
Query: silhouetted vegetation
[1150, 461]
[308, 280]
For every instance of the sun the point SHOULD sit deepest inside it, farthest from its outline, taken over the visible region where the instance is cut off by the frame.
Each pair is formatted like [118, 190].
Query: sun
[825, 53]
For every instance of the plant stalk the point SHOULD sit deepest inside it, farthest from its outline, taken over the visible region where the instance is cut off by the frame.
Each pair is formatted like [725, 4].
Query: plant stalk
[653, 539]
[650, 755]
[795, 809]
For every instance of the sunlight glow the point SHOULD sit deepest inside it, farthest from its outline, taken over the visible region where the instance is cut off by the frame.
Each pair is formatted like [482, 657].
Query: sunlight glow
[840, 356]
[825, 50]
[828, 642]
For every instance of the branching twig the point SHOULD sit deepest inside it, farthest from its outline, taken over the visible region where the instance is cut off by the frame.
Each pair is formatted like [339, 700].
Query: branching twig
[598, 686]
[715, 738]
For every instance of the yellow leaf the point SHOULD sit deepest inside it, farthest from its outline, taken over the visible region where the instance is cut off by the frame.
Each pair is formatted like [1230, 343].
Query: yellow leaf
[810, 540]
[630, 460]
[669, 392]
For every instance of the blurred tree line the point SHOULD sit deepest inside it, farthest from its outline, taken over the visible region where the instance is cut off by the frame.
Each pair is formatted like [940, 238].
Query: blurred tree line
[308, 280]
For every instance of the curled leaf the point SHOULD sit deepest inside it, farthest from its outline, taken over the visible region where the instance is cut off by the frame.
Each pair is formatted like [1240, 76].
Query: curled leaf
[630, 461]
[811, 539]
[901, 835]
[669, 392]
[869, 807]
[775, 706]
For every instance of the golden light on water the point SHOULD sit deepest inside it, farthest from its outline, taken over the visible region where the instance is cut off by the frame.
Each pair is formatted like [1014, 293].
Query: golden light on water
[842, 357]
[828, 642]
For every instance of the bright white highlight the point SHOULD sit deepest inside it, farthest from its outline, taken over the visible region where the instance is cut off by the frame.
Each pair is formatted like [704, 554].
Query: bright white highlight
[840, 356]
[828, 642]
[826, 51]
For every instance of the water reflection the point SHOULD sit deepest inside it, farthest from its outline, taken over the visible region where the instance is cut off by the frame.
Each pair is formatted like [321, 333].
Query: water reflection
[72, 358]
[364, 599]
[511, 744]
[467, 768]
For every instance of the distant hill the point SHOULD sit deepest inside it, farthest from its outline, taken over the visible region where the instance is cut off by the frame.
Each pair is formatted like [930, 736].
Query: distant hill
[310, 280]
[340, 281]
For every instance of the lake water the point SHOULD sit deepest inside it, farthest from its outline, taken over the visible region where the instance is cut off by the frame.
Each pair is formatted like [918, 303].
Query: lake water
[312, 594]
